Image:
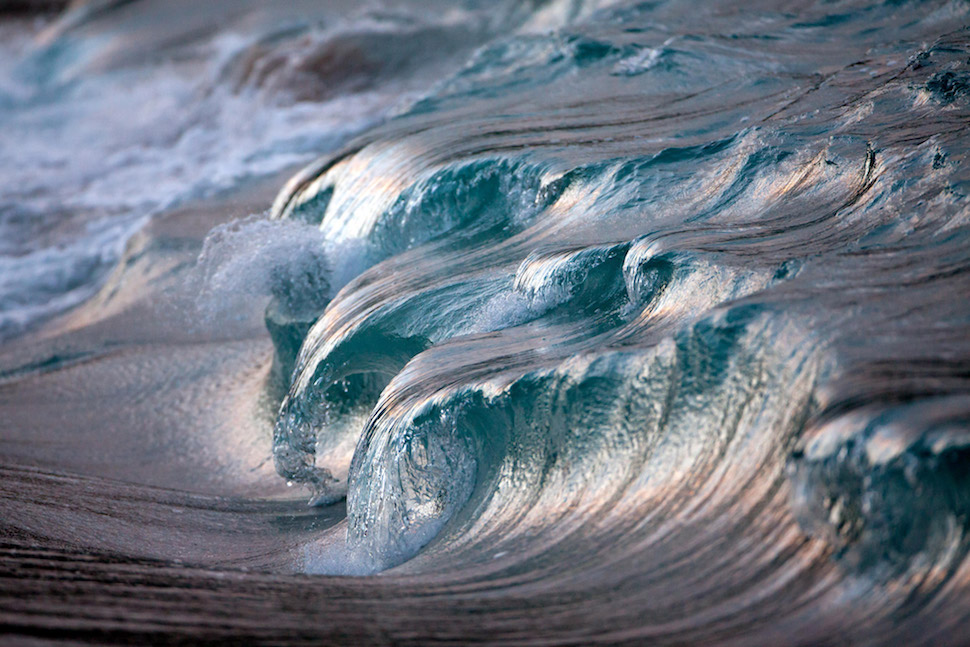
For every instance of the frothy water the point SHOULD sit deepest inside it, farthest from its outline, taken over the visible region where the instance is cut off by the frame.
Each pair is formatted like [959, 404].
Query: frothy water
[659, 309]
[112, 116]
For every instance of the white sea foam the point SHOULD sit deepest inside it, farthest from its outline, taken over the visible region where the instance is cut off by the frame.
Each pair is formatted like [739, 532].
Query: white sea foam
[106, 151]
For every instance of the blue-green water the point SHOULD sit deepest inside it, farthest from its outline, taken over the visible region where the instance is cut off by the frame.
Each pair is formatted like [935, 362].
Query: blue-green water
[663, 253]
[660, 307]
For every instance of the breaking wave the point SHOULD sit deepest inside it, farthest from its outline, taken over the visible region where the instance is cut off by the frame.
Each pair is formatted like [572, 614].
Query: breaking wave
[654, 307]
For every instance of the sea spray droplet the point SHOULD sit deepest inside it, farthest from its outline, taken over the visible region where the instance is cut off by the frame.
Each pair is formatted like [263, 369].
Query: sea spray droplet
[246, 263]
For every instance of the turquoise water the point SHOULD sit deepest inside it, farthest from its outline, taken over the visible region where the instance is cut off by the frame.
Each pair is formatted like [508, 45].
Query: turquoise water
[662, 253]
[659, 307]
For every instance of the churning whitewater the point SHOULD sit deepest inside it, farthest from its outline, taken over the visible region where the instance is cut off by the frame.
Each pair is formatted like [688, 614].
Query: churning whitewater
[604, 322]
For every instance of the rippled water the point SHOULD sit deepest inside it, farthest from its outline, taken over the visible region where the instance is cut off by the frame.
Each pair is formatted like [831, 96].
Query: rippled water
[591, 322]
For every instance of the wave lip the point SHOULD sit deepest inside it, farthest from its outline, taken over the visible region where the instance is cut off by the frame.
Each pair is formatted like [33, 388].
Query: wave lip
[581, 319]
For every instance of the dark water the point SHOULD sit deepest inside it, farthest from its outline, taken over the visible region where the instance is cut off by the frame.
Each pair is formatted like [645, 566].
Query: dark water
[590, 323]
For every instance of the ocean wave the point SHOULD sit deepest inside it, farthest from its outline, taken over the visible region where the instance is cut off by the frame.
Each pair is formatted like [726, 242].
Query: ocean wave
[653, 307]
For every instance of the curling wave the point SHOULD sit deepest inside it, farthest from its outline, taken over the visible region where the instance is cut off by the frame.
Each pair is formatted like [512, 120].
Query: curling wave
[619, 284]
[611, 322]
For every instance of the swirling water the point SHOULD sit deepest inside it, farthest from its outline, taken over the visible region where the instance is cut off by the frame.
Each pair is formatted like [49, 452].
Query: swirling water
[612, 322]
